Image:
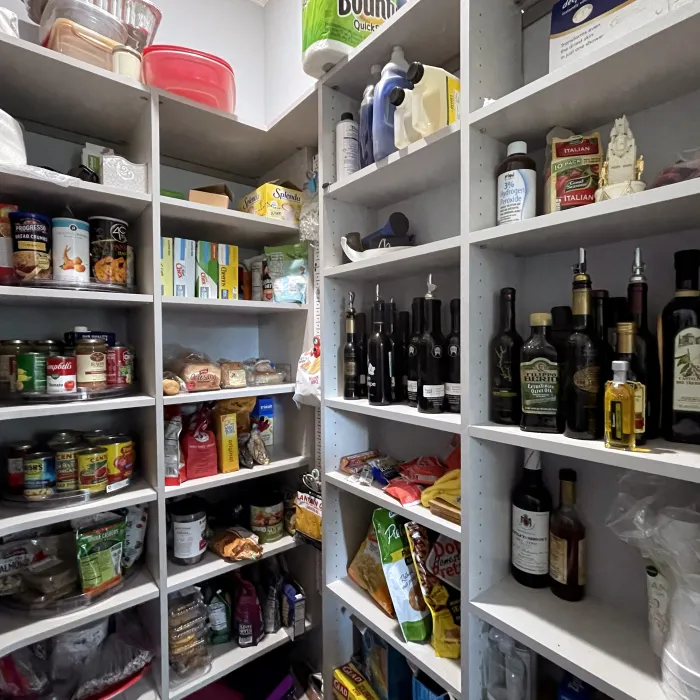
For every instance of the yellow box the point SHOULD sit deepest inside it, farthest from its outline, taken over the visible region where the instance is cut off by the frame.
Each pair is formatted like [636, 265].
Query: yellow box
[348, 682]
[227, 442]
[166, 267]
[228, 271]
[274, 201]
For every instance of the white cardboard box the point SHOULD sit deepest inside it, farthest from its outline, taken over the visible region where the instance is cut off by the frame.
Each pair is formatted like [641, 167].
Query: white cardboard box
[183, 267]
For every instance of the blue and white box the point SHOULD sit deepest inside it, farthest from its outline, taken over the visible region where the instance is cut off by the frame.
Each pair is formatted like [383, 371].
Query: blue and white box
[184, 255]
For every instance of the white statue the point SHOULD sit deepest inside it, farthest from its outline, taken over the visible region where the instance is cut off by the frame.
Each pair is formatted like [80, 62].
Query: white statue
[622, 170]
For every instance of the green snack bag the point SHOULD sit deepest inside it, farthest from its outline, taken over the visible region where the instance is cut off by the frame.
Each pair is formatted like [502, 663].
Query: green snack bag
[400, 574]
[219, 611]
[288, 267]
[100, 548]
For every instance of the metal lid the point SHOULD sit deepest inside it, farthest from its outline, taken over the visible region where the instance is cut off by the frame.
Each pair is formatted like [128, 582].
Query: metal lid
[91, 341]
[39, 455]
[16, 342]
[22, 446]
[65, 437]
[540, 319]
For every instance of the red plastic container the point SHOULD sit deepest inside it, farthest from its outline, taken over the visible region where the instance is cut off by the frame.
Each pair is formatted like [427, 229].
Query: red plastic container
[193, 74]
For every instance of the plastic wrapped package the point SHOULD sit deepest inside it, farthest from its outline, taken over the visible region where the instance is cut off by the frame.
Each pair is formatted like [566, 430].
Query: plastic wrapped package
[187, 632]
[22, 675]
[259, 372]
[687, 167]
[51, 575]
[510, 669]
[70, 650]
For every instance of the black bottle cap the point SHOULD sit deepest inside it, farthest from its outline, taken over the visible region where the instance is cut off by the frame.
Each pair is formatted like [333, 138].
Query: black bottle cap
[562, 317]
[599, 294]
[397, 96]
[415, 72]
[567, 475]
[508, 292]
[347, 116]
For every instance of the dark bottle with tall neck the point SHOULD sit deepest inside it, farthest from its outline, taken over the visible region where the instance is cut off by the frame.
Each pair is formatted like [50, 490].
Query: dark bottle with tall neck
[680, 354]
[504, 365]
[600, 306]
[453, 399]
[405, 336]
[378, 374]
[562, 327]
[412, 359]
[396, 353]
[583, 392]
[636, 377]
[361, 333]
[646, 348]
[431, 357]
[351, 354]
[618, 311]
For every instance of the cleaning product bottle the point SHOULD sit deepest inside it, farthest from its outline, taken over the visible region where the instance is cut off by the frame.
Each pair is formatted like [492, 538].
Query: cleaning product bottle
[347, 148]
[404, 133]
[366, 111]
[393, 75]
[435, 98]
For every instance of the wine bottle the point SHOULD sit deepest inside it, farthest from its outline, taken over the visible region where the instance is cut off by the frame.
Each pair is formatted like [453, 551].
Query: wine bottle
[504, 361]
[680, 354]
[378, 373]
[396, 352]
[618, 311]
[626, 344]
[351, 353]
[567, 540]
[531, 506]
[405, 336]
[452, 374]
[361, 333]
[645, 347]
[600, 305]
[562, 327]
[431, 357]
[583, 393]
[412, 359]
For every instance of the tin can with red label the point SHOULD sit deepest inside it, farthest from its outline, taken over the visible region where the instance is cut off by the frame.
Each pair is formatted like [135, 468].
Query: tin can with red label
[120, 365]
[61, 375]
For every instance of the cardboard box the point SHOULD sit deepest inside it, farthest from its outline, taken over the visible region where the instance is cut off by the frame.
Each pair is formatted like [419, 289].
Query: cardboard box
[385, 667]
[425, 688]
[207, 278]
[228, 271]
[264, 412]
[213, 195]
[184, 262]
[276, 201]
[294, 609]
[166, 267]
[227, 442]
[348, 683]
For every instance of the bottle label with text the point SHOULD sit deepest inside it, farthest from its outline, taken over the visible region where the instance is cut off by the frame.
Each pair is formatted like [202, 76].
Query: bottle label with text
[516, 196]
[540, 386]
[452, 391]
[686, 370]
[530, 541]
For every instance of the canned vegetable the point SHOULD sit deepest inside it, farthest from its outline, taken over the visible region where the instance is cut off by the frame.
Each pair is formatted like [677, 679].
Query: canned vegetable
[39, 476]
[31, 373]
[120, 457]
[92, 469]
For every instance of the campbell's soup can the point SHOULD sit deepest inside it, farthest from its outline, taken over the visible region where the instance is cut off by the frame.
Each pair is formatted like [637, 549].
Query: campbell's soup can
[92, 469]
[120, 365]
[120, 458]
[71, 250]
[39, 476]
[61, 375]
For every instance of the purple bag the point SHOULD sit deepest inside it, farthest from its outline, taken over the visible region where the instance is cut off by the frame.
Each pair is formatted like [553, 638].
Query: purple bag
[248, 627]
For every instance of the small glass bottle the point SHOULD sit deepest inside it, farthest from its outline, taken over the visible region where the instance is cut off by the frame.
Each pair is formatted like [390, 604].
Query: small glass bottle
[351, 353]
[619, 409]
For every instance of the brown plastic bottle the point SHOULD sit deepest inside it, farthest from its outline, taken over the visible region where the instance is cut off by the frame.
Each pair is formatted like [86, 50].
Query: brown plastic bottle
[517, 185]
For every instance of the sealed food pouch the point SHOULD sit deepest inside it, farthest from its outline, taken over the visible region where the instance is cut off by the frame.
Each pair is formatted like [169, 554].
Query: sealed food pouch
[400, 574]
[100, 548]
[309, 515]
[366, 571]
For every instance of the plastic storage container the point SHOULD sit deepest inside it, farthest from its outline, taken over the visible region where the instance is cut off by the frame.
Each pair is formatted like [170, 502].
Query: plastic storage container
[193, 74]
[435, 98]
[83, 14]
[404, 133]
[75, 40]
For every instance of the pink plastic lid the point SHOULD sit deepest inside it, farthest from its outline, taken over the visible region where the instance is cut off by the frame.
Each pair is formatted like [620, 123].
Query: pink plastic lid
[184, 49]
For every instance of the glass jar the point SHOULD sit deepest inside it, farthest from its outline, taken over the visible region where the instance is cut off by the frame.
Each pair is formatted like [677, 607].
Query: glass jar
[91, 356]
[188, 524]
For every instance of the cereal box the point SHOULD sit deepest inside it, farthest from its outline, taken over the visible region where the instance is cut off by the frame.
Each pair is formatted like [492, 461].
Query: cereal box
[350, 684]
[274, 201]
[264, 415]
[228, 271]
[206, 283]
[183, 268]
[166, 267]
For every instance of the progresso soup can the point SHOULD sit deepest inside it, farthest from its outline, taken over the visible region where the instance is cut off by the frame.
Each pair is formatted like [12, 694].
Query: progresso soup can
[39, 476]
[31, 245]
[71, 250]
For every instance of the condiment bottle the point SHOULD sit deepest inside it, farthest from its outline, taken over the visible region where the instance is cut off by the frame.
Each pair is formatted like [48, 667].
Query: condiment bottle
[431, 358]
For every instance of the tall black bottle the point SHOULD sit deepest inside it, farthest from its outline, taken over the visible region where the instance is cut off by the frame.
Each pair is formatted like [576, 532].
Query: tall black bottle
[412, 360]
[452, 370]
[431, 357]
[361, 333]
[504, 364]
[351, 353]
[396, 353]
[600, 310]
[405, 339]
[378, 373]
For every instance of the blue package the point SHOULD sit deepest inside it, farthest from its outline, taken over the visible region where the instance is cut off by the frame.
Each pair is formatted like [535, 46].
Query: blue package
[571, 688]
[386, 668]
[425, 688]
[383, 469]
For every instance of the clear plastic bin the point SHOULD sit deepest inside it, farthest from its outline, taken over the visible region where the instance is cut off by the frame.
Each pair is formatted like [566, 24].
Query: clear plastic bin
[84, 14]
[78, 42]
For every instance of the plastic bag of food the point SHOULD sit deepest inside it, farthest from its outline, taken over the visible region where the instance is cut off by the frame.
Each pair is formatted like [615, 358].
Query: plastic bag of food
[50, 575]
[406, 493]
[424, 471]
[366, 571]
[70, 650]
[248, 625]
[288, 267]
[219, 612]
[308, 384]
[401, 577]
[236, 544]
[272, 614]
[199, 372]
[174, 463]
[100, 549]
[259, 372]
[448, 488]
[445, 561]
[14, 557]
[309, 515]
[22, 675]
[136, 524]
[199, 446]
[446, 634]
[173, 385]
[233, 374]
[241, 407]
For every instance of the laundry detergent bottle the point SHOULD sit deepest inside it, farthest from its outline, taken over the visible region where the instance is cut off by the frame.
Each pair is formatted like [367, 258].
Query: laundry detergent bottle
[435, 98]
[366, 112]
[393, 75]
[404, 133]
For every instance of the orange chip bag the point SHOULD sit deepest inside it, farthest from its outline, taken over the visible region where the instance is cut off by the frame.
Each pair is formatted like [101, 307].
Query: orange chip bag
[367, 572]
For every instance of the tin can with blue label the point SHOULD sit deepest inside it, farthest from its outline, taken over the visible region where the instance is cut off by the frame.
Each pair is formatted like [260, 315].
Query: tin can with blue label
[39, 476]
[71, 250]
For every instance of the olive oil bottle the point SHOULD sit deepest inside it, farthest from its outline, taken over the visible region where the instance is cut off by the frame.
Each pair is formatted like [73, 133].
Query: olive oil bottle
[619, 409]
[636, 378]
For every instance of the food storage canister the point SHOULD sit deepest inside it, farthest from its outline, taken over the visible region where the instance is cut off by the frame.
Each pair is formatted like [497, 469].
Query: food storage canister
[84, 14]
[127, 62]
[141, 19]
[74, 40]
[188, 528]
[193, 74]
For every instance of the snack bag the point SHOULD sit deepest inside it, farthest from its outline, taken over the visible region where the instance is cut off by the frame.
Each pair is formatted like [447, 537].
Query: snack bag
[199, 446]
[309, 515]
[248, 626]
[366, 571]
[100, 549]
[400, 574]
[174, 461]
[308, 386]
[424, 471]
[448, 488]
[446, 634]
[288, 267]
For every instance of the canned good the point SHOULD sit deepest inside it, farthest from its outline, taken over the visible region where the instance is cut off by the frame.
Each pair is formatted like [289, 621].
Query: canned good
[91, 356]
[108, 250]
[129, 267]
[31, 245]
[92, 469]
[9, 349]
[7, 271]
[71, 250]
[92, 437]
[39, 476]
[66, 446]
[31, 373]
[48, 347]
[120, 365]
[120, 457]
[16, 453]
[61, 377]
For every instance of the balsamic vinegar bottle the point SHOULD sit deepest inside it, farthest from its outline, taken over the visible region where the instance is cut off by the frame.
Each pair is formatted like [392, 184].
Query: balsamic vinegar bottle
[452, 374]
[396, 353]
[361, 334]
[504, 364]
[600, 309]
[351, 353]
[412, 360]
[405, 339]
[431, 358]
[378, 374]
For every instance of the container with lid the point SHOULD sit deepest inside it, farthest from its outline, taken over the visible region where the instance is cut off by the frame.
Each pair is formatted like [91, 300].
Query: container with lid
[91, 356]
[85, 15]
[74, 40]
[517, 185]
[192, 74]
[188, 529]
[127, 62]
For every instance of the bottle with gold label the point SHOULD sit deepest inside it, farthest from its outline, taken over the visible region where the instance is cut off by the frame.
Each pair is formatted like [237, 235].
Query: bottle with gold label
[680, 354]
[583, 393]
[636, 378]
[567, 540]
[620, 409]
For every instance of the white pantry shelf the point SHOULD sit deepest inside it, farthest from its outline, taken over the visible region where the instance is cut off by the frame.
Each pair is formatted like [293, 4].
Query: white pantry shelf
[233, 306]
[424, 165]
[598, 643]
[652, 212]
[20, 630]
[14, 518]
[664, 458]
[222, 394]
[400, 263]
[446, 672]
[641, 69]
[25, 409]
[38, 296]
[280, 461]
[403, 413]
[416, 513]
[213, 565]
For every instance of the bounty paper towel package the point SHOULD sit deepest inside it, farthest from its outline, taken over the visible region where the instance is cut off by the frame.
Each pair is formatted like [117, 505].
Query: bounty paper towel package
[331, 29]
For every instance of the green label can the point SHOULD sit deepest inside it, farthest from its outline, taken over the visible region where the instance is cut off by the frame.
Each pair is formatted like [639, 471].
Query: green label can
[31, 373]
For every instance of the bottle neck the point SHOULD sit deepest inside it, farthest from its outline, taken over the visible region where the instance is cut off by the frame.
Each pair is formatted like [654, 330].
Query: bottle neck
[600, 318]
[432, 316]
[687, 282]
[350, 327]
[625, 342]
[379, 327]
[539, 331]
[582, 305]
[507, 313]
[620, 376]
[455, 320]
[567, 493]
[637, 296]
[418, 319]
